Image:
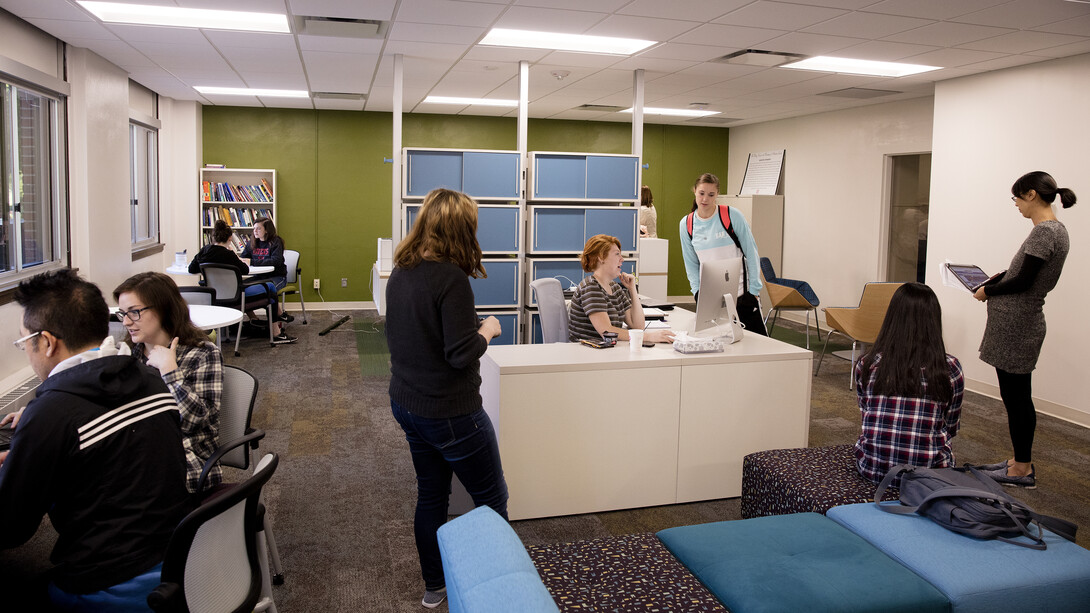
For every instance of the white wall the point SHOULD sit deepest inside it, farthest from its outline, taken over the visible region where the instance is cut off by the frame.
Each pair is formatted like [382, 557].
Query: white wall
[98, 165]
[833, 188]
[989, 130]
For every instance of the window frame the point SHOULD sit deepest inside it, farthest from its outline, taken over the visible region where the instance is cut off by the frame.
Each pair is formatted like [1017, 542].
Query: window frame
[19, 77]
[143, 125]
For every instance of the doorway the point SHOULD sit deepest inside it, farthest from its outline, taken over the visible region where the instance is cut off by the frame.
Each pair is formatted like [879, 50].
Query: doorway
[909, 197]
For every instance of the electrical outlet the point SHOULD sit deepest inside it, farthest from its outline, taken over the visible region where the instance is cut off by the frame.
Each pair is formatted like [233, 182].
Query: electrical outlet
[317, 284]
[344, 281]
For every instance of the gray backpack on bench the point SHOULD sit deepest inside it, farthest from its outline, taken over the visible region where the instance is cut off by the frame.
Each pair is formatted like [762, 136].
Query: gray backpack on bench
[969, 502]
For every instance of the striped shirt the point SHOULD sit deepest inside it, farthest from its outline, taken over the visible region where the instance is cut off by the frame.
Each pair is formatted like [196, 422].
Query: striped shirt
[590, 298]
[901, 430]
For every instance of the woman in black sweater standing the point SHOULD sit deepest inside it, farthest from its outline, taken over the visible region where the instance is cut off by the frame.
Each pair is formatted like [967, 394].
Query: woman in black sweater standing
[436, 341]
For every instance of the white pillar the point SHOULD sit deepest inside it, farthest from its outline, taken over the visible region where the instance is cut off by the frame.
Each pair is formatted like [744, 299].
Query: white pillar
[395, 193]
[637, 120]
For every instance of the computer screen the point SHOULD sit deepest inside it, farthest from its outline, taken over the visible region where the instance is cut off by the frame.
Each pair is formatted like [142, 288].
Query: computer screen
[717, 277]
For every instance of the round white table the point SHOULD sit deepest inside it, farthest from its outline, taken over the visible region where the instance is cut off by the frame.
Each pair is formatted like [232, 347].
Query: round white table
[174, 269]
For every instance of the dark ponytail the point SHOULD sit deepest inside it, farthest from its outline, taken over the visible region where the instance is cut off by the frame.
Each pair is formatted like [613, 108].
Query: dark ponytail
[221, 232]
[1041, 182]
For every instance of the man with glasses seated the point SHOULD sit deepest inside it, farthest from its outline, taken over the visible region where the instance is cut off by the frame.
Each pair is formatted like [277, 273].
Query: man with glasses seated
[99, 449]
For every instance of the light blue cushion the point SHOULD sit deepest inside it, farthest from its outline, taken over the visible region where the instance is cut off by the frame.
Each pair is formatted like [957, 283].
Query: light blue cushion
[487, 568]
[978, 575]
[800, 562]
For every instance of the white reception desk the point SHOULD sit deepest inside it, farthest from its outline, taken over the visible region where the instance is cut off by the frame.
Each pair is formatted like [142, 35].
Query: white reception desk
[584, 430]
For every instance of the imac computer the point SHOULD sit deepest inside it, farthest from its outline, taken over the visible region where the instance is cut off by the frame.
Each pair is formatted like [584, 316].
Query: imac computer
[714, 314]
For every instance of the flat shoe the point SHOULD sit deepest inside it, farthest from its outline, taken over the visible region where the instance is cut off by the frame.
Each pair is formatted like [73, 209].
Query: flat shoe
[997, 466]
[1028, 482]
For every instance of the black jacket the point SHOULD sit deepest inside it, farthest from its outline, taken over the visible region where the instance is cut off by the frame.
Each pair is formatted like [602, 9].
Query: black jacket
[214, 254]
[100, 450]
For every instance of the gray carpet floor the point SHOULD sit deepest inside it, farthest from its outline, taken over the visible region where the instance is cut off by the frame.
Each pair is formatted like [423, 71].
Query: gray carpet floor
[342, 499]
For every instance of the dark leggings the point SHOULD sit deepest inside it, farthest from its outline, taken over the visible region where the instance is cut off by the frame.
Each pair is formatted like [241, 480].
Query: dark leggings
[1015, 390]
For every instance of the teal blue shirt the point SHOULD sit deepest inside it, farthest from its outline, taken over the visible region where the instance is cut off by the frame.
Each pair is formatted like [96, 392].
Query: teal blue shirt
[710, 234]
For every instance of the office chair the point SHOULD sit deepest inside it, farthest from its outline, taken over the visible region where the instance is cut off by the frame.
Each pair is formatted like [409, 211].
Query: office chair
[789, 295]
[214, 561]
[236, 410]
[197, 294]
[291, 260]
[862, 323]
[552, 310]
[226, 281]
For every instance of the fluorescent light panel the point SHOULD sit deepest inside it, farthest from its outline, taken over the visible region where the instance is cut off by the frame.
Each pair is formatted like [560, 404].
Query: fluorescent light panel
[650, 110]
[470, 101]
[175, 17]
[872, 68]
[502, 37]
[246, 91]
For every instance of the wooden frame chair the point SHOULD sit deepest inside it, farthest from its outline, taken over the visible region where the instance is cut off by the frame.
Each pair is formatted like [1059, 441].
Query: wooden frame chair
[861, 323]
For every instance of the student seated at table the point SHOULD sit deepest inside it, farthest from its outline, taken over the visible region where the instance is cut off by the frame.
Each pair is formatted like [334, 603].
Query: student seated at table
[114, 494]
[163, 337]
[600, 304]
[909, 388]
[220, 252]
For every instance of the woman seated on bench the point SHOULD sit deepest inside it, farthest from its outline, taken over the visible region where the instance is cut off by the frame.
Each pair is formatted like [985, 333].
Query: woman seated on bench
[909, 388]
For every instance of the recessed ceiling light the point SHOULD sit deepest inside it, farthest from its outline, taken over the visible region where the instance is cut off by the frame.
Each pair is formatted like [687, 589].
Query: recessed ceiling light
[650, 110]
[175, 17]
[502, 37]
[246, 91]
[872, 68]
[469, 101]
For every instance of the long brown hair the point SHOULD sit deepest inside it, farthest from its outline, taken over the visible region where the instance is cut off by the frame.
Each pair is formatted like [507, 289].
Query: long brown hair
[159, 292]
[445, 230]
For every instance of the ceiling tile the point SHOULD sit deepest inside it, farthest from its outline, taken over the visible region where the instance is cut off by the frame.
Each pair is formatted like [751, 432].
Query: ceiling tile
[1007, 61]
[701, 11]
[653, 65]
[591, 60]
[735, 36]
[883, 50]
[339, 105]
[779, 16]
[338, 72]
[270, 60]
[646, 28]
[442, 52]
[931, 9]
[1024, 42]
[505, 54]
[952, 58]
[446, 12]
[151, 34]
[1080, 26]
[288, 79]
[45, 9]
[432, 33]
[252, 40]
[838, 4]
[873, 24]
[286, 103]
[684, 51]
[550, 20]
[1063, 50]
[68, 30]
[606, 6]
[1024, 14]
[371, 9]
[811, 44]
[946, 34]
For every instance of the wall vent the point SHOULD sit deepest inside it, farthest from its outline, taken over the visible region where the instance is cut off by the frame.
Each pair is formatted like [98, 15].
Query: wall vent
[337, 96]
[759, 57]
[712, 119]
[600, 108]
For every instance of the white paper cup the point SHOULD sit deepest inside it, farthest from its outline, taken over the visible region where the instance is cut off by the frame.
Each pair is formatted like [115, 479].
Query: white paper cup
[635, 341]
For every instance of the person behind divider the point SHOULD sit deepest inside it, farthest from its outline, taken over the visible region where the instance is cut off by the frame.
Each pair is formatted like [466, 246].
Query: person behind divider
[436, 341]
[1015, 330]
[910, 390]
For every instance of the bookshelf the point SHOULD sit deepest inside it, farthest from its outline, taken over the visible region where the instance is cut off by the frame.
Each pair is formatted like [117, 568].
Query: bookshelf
[237, 196]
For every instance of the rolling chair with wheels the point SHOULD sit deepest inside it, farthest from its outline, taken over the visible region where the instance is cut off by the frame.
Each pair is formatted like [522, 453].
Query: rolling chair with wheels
[214, 562]
[552, 310]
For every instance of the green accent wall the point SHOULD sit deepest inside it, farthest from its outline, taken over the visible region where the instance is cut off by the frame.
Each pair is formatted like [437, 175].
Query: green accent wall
[333, 186]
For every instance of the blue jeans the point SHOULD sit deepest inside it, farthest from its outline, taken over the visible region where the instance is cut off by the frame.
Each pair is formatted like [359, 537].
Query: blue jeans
[465, 446]
[262, 290]
[126, 597]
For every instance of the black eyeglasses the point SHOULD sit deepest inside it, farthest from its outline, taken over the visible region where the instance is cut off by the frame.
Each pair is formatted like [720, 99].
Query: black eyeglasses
[132, 314]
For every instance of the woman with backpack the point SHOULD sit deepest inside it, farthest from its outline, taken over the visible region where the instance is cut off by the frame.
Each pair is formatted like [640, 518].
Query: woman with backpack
[909, 389]
[713, 232]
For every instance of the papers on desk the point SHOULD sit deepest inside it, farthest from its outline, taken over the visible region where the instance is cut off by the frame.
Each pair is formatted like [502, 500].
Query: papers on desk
[656, 324]
[649, 314]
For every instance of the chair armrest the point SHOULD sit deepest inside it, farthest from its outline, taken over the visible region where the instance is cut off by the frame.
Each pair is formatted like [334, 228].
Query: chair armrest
[166, 598]
[270, 294]
[253, 435]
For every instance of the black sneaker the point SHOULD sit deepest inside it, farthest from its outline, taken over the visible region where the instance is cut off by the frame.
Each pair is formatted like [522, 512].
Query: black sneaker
[286, 317]
[283, 339]
[259, 323]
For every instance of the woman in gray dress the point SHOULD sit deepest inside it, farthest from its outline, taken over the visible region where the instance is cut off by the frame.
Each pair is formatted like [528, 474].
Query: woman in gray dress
[1016, 322]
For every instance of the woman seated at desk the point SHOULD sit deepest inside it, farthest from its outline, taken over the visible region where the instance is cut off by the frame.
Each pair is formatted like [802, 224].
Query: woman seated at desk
[600, 304]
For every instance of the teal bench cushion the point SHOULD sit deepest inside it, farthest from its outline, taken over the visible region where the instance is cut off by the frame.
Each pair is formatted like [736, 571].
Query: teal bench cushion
[801, 562]
[978, 575]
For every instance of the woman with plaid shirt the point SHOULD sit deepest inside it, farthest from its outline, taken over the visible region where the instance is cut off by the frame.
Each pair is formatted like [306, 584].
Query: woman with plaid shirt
[909, 389]
[163, 337]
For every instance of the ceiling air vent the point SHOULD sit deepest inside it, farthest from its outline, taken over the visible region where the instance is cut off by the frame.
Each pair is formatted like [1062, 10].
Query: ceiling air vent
[860, 93]
[340, 27]
[759, 57]
[337, 96]
[600, 108]
[713, 119]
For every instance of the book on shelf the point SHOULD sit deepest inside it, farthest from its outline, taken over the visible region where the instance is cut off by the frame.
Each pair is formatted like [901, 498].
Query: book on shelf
[267, 188]
[215, 165]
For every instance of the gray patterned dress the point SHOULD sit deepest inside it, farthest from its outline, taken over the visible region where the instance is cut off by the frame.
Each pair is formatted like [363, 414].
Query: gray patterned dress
[1016, 322]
